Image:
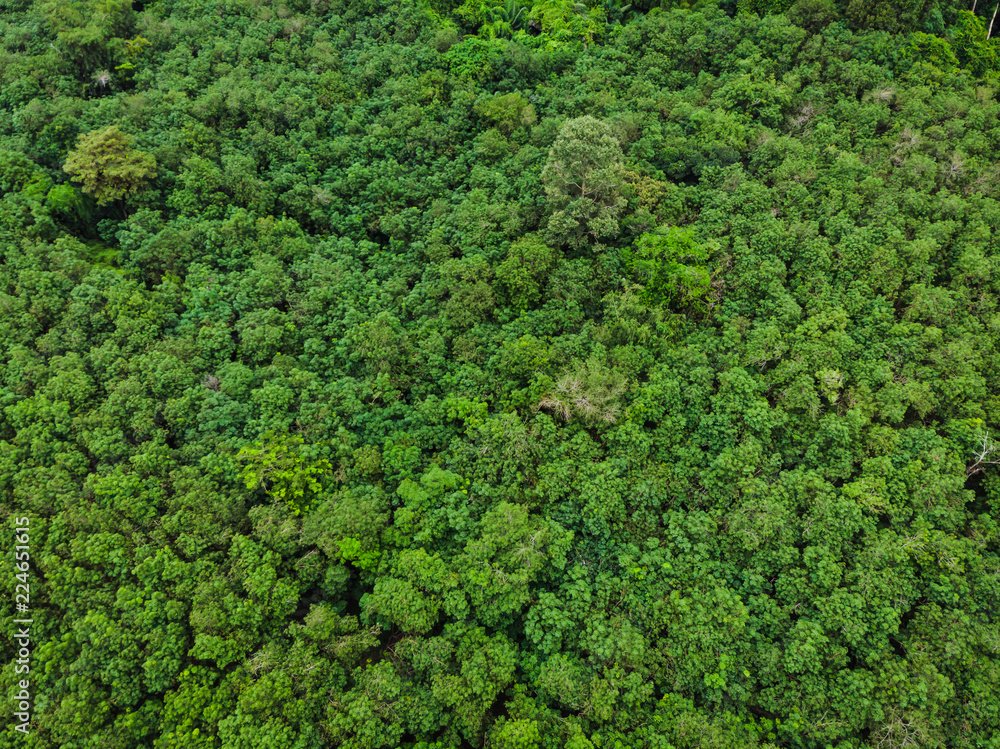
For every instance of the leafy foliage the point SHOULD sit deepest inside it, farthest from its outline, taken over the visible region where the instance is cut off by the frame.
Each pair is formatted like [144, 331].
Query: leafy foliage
[516, 374]
[107, 165]
[281, 466]
[582, 178]
[659, 262]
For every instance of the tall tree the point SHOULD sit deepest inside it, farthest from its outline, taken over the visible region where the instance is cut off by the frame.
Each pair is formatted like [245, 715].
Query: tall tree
[108, 167]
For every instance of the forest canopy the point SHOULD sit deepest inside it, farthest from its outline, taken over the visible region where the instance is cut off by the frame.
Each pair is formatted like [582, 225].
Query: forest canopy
[532, 375]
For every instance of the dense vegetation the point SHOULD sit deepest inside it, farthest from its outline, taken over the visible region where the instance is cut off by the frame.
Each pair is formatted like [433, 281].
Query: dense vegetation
[559, 375]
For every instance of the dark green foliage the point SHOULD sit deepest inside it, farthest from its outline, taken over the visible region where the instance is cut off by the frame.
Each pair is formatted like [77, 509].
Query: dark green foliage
[542, 374]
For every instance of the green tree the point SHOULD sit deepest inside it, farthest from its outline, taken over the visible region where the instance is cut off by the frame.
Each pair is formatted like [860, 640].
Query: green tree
[508, 112]
[567, 20]
[582, 179]
[108, 167]
[285, 468]
[528, 265]
[663, 263]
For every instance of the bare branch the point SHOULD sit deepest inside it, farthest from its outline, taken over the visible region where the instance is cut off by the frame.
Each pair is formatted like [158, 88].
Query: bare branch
[986, 455]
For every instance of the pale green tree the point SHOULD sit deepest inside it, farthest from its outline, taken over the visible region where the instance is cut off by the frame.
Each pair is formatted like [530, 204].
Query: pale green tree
[582, 179]
[107, 165]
